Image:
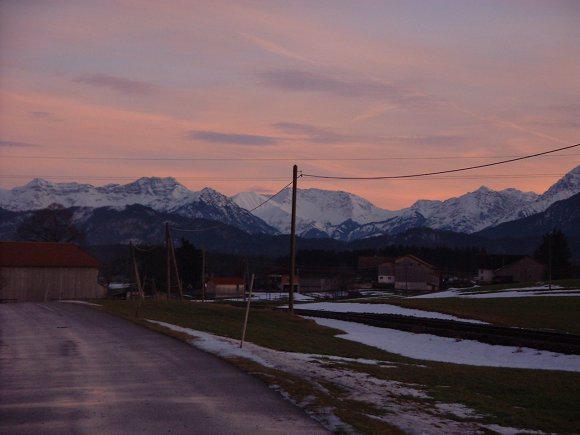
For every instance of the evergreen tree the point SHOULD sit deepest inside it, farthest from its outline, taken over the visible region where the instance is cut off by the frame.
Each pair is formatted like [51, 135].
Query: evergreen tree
[555, 254]
[189, 261]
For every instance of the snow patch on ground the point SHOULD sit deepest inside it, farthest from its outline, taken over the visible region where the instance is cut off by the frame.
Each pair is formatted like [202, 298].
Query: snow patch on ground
[403, 405]
[80, 302]
[502, 430]
[221, 346]
[537, 291]
[352, 307]
[450, 350]
[273, 296]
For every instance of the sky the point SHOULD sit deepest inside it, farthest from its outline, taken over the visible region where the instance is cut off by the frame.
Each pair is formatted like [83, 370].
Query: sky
[232, 94]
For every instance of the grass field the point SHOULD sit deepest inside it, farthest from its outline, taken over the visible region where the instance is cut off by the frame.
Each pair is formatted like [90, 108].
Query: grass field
[530, 399]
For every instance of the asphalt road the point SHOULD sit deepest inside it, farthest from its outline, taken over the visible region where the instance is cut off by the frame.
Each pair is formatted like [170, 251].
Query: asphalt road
[70, 369]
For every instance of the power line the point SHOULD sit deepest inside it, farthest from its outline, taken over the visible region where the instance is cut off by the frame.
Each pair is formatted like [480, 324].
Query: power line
[473, 177]
[266, 159]
[449, 171]
[107, 178]
[122, 178]
[271, 197]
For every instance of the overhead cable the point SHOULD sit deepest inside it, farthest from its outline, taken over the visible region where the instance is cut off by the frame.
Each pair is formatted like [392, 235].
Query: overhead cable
[261, 159]
[199, 230]
[449, 171]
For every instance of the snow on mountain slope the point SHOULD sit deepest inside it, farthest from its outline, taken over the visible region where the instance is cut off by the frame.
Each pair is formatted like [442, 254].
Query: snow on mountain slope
[319, 209]
[162, 194]
[477, 210]
[320, 213]
[345, 216]
[159, 194]
[468, 213]
[564, 188]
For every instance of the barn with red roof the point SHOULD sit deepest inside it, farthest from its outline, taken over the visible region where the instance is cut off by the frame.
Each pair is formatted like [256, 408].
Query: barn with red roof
[35, 272]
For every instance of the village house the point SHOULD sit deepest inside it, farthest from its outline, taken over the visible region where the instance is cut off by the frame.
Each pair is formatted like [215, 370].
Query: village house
[502, 268]
[408, 273]
[37, 272]
[412, 273]
[387, 274]
[367, 267]
[330, 279]
[523, 270]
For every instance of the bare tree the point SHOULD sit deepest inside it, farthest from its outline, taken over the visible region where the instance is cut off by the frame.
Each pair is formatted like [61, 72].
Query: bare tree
[52, 224]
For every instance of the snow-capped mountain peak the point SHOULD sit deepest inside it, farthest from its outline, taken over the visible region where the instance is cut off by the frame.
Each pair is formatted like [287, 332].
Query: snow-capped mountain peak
[160, 194]
[338, 213]
[318, 209]
[565, 187]
[320, 213]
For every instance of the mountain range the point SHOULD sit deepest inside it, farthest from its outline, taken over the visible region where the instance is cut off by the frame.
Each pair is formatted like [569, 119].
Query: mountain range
[344, 216]
[321, 214]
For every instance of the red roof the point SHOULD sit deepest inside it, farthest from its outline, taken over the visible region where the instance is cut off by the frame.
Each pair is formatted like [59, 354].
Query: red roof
[227, 280]
[35, 254]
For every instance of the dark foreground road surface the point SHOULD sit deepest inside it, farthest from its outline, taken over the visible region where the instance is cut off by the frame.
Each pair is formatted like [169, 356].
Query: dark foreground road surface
[71, 369]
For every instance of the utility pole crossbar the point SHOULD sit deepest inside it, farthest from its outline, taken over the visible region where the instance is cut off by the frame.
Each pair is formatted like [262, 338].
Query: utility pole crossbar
[292, 242]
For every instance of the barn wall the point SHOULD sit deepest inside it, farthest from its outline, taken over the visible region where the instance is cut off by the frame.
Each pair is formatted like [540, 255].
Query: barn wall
[224, 290]
[37, 284]
[412, 285]
[412, 275]
[526, 269]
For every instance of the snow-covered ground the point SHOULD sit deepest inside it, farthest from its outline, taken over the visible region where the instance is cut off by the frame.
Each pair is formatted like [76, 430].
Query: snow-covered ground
[391, 397]
[538, 291]
[451, 350]
[353, 307]
[274, 296]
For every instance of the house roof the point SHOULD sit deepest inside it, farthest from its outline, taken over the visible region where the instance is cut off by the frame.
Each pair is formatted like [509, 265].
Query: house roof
[529, 260]
[416, 259]
[365, 262]
[489, 261]
[36, 254]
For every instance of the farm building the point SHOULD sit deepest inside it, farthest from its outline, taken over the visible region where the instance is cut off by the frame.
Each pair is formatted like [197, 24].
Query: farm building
[282, 282]
[32, 271]
[225, 287]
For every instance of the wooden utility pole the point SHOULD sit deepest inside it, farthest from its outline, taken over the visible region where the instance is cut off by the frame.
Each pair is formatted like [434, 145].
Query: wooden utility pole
[247, 311]
[136, 272]
[292, 241]
[167, 261]
[550, 260]
[203, 274]
[171, 261]
[175, 268]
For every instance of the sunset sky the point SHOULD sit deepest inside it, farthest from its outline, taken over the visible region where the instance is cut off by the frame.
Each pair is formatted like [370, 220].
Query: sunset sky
[231, 94]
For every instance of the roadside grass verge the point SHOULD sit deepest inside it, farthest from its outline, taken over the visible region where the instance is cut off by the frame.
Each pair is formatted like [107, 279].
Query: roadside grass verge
[314, 397]
[551, 313]
[273, 329]
[526, 399]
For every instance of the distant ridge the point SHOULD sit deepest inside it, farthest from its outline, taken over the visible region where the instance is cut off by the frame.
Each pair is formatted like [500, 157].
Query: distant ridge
[321, 213]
